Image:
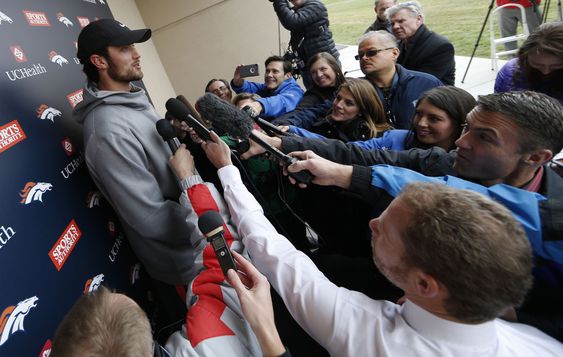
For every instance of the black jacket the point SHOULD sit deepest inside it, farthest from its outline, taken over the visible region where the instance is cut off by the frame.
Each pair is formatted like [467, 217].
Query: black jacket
[308, 23]
[432, 162]
[431, 53]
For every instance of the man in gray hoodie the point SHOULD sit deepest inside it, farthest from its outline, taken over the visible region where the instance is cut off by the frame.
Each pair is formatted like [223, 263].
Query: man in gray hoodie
[128, 161]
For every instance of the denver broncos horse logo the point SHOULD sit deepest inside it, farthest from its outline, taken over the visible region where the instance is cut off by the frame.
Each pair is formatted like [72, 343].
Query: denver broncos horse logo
[12, 318]
[93, 284]
[34, 192]
[49, 113]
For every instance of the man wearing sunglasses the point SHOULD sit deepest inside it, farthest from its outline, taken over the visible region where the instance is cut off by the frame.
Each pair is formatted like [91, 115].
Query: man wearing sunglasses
[397, 87]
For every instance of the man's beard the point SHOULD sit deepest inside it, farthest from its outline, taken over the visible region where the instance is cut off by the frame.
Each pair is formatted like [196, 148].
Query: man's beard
[126, 75]
[395, 275]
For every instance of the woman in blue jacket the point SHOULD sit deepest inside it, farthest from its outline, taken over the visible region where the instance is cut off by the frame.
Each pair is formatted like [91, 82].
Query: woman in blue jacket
[438, 121]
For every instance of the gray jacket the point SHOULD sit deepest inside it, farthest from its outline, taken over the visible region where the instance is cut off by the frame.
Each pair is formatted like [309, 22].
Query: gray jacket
[128, 161]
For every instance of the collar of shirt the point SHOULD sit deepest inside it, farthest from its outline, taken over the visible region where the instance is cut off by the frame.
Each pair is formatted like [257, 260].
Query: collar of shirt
[535, 184]
[430, 326]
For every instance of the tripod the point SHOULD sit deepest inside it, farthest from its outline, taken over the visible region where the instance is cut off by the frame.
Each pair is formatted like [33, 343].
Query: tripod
[534, 4]
[546, 9]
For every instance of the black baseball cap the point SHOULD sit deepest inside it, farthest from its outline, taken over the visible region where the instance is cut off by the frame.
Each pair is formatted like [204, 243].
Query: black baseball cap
[107, 32]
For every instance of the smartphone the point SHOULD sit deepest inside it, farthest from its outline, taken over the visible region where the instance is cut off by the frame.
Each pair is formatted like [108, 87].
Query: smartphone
[249, 71]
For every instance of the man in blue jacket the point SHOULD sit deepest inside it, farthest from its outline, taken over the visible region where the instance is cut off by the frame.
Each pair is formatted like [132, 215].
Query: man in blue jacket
[397, 87]
[509, 139]
[280, 92]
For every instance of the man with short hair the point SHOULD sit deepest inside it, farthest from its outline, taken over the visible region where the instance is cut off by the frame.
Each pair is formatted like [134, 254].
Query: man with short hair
[430, 243]
[381, 22]
[103, 323]
[280, 92]
[397, 87]
[421, 49]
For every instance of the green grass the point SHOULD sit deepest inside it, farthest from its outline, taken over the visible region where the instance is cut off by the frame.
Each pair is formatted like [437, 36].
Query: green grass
[459, 20]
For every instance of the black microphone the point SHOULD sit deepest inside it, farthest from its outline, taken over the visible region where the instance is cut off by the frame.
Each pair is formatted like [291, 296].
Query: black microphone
[179, 111]
[265, 125]
[239, 124]
[166, 130]
[211, 225]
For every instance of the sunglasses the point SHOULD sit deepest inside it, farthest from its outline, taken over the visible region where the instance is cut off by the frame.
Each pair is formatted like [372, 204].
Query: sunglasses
[370, 53]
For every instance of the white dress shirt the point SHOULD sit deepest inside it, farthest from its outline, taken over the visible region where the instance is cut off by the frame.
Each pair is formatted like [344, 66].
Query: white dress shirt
[348, 323]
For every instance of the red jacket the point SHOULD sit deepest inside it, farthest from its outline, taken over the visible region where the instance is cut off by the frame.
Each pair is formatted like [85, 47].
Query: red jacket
[525, 3]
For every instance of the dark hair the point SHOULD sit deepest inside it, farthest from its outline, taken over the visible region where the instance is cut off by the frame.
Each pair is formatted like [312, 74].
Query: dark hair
[244, 96]
[369, 105]
[470, 244]
[286, 65]
[538, 116]
[456, 102]
[547, 38]
[90, 70]
[332, 63]
[217, 80]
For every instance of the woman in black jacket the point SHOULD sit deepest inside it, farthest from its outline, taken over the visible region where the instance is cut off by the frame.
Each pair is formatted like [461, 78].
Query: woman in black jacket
[310, 34]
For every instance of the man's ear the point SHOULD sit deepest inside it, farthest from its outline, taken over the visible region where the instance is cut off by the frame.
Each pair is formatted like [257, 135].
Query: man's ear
[538, 157]
[99, 61]
[287, 75]
[426, 285]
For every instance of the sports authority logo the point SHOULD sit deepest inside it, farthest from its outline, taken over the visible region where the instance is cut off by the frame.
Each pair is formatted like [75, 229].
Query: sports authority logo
[34, 191]
[45, 112]
[64, 20]
[56, 58]
[5, 235]
[18, 53]
[65, 244]
[93, 199]
[67, 146]
[74, 98]
[35, 18]
[10, 134]
[46, 350]
[12, 318]
[4, 18]
[93, 284]
[83, 21]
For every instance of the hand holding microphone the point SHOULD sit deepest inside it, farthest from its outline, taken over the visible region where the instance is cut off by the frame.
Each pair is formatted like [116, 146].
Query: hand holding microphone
[238, 124]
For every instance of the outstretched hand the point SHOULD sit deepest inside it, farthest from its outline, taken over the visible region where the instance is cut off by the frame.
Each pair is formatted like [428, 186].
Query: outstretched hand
[325, 172]
[256, 149]
[253, 291]
[217, 151]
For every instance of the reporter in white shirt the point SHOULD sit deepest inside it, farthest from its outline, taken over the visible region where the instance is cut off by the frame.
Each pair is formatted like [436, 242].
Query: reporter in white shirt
[461, 259]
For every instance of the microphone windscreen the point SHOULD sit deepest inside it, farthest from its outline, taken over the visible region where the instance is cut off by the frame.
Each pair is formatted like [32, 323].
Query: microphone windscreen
[177, 109]
[225, 116]
[165, 129]
[209, 221]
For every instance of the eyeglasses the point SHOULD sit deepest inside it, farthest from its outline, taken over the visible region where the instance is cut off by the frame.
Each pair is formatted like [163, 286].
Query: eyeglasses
[220, 90]
[370, 53]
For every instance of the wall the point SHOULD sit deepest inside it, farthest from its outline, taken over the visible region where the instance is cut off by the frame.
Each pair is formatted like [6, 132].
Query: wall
[202, 39]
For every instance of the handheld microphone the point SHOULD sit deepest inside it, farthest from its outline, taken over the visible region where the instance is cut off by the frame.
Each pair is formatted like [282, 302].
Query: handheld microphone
[211, 225]
[265, 125]
[190, 107]
[168, 134]
[239, 124]
[178, 110]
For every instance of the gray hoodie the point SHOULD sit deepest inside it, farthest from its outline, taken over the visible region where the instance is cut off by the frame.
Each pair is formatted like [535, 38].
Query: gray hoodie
[128, 161]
